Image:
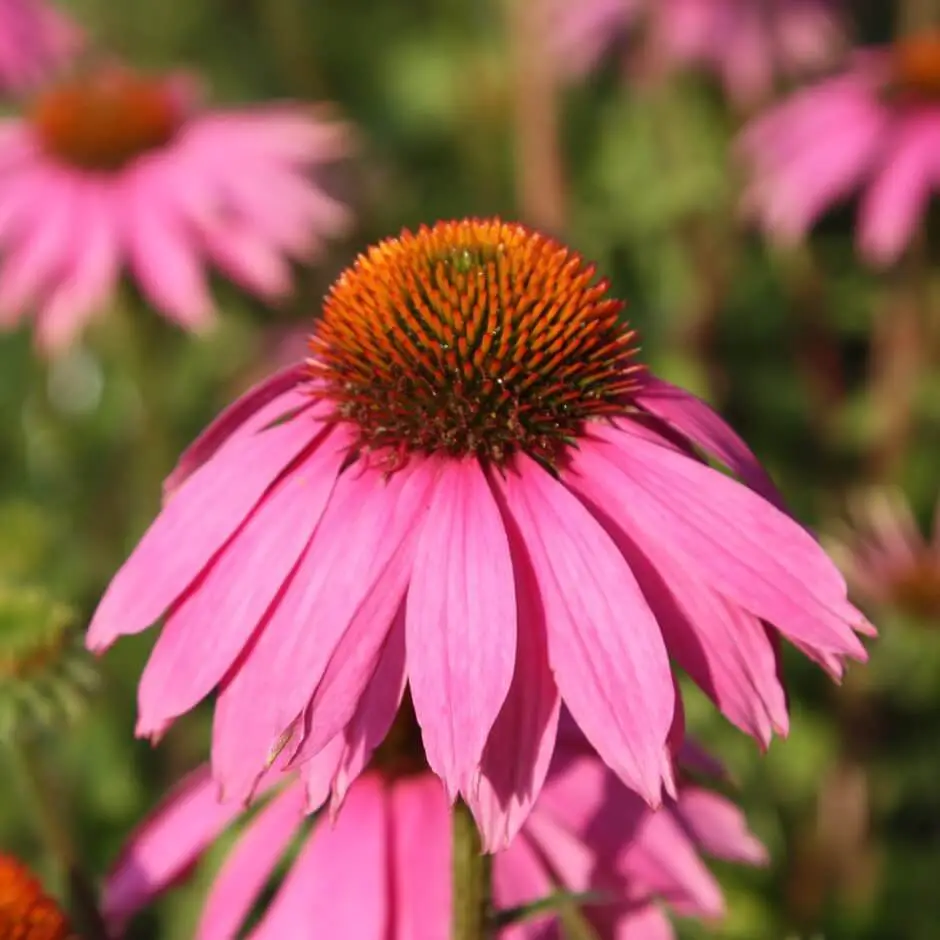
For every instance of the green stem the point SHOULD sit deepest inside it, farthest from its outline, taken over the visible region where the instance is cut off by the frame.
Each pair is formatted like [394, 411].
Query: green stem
[472, 875]
[82, 897]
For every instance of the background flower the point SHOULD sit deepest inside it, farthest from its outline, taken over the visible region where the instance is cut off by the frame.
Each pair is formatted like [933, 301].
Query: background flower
[873, 130]
[112, 168]
[390, 842]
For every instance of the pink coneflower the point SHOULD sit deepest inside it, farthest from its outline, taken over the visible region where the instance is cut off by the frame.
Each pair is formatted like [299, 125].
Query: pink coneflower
[746, 43]
[875, 128]
[26, 911]
[112, 167]
[35, 39]
[471, 469]
[381, 867]
[885, 557]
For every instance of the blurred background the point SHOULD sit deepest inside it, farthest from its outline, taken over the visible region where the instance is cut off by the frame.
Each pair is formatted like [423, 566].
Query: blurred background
[457, 110]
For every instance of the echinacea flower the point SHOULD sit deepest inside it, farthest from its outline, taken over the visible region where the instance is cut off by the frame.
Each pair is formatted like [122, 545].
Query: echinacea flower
[747, 44]
[380, 867]
[886, 558]
[111, 168]
[26, 911]
[873, 129]
[35, 40]
[471, 471]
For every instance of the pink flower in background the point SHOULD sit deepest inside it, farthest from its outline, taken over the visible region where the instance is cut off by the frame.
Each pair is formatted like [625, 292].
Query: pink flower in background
[885, 556]
[746, 43]
[111, 169]
[381, 867]
[415, 487]
[35, 40]
[874, 129]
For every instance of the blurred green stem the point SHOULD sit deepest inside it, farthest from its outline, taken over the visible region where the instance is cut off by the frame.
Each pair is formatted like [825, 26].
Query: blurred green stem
[472, 877]
[82, 899]
[898, 360]
[540, 178]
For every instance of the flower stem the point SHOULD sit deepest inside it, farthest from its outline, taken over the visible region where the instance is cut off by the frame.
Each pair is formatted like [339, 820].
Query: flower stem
[471, 878]
[82, 897]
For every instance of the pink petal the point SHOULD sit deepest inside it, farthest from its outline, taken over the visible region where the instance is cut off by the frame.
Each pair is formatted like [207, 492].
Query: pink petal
[694, 419]
[631, 922]
[163, 847]
[45, 246]
[726, 535]
[192, 527]
[725, 650]
[522, 740]
[358, 561]
[249, 866]
[719, 827]
[585, 797]
[205, 633]
[248, 258]
[460, 622]
[614, 677]
[90, 277]
[898, 197]
[338, 887]
[520, 877]
[377, 700]
[420, 862]
[663, 862]
[162, 250]
[234, 418]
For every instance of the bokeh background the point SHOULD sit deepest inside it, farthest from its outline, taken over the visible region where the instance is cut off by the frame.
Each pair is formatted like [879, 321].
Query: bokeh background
[800, 349]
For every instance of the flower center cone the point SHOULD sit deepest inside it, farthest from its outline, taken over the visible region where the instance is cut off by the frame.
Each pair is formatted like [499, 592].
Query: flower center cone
[474, 338]
[102, 120]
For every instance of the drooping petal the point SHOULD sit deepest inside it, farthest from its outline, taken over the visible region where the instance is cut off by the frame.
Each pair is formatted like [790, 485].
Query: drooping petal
[232, 419]
[719, 827]
[585, 797]
[728, 536]
[460, 623]
[338, 887]
[164, 846]
[663, 862]
[205, 633]
[520, 745]
[631, 922]
[604, 644]
[85, 285]
[358, 561]
[249, 866]
[162, 251]
[896, 200]
[377, 696]
[46, 244]
[192, 527]
[420, 860]
[520, 877]
[704, 427]
[725, 650]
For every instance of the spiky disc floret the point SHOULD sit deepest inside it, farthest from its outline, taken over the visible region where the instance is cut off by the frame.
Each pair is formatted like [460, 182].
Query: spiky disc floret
[477, 337]
[26, 912]
[915, 64]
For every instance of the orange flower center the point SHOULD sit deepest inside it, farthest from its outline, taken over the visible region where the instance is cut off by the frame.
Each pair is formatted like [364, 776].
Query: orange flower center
[472, 338]
[916, 66]
[917, 590]
[26, 913]
[102, 120]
